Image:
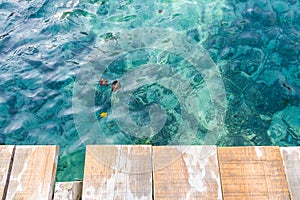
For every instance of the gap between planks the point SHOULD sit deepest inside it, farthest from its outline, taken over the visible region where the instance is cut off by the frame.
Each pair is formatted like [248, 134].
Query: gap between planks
[6, 159]
[31, 172]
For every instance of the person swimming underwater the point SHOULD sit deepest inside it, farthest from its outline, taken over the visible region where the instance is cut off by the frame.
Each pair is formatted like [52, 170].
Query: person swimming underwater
[103, 82]
[115, 85]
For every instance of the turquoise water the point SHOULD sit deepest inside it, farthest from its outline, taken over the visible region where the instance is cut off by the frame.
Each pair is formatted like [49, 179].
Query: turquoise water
[53, 53]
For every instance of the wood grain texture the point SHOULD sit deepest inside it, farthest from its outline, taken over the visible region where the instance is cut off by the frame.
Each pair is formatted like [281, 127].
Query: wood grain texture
[68, 190]
[193, 173]
[291, 161]
[5, 158]
[252, 173]
[117, 172]
[33, 173]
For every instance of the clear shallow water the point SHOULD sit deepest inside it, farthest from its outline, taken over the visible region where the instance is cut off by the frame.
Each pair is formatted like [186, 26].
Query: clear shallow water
[45, 44]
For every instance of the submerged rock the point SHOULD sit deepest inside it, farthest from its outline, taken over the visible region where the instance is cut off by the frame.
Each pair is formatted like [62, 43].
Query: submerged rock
[284, 123]
[280, 7]
[251, 12]
[268, 18]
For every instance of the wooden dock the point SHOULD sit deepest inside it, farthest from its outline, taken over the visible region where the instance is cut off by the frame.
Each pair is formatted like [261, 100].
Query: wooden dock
[154, 172]
[27, 172]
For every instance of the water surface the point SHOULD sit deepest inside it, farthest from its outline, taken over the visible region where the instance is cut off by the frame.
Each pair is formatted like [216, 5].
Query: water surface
[44, 44]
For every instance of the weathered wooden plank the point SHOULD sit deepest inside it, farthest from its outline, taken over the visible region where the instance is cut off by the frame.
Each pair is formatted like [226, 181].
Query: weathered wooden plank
[186, 172]
[68, 190]
[6, 153]
[117, 172]
[291, 161]
[33, 172]
[252, 173]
